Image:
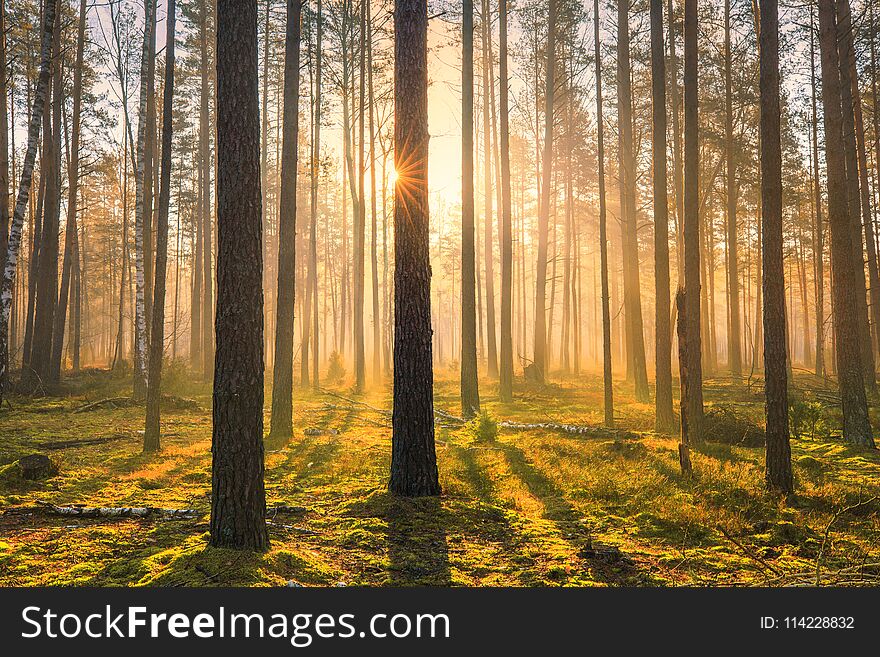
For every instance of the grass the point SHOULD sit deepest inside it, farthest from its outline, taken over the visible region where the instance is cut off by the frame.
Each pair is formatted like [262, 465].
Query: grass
[518, 508]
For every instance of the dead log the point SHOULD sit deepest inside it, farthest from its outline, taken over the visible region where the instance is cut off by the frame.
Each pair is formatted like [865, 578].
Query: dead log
[571, 429]
[118, 512]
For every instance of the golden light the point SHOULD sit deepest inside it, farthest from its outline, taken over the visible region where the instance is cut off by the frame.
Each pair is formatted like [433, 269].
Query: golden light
[392, 177]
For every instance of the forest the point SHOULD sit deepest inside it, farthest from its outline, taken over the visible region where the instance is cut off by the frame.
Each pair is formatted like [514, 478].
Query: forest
[436, 292]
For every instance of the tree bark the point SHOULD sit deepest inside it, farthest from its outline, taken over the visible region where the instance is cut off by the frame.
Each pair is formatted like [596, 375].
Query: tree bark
[470, 395]
[665, 418]
[24, 188]
[506, 365]
[157, 331]
[238, 498]
[818, 228]
[778, 451]
[692, 226]
[282, 379]
[734, 340]
[603, 230]
[850, 370]
[413, 457]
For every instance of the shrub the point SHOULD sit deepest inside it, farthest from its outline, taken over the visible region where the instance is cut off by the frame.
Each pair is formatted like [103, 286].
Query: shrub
[483, 428]
[722, 424]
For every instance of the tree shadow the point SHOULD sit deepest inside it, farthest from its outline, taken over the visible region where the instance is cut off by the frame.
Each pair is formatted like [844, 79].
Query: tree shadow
[418, 553]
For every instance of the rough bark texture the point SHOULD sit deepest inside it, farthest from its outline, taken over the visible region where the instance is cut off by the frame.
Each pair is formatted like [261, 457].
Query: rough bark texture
[856, 426]
[847, 102]
[778, 451]
[282, 377]
[506, 354]
[470, 395]
[238, 498]
[24, 188]
[692, 227]
[413, 457]
[157, 330]
[665, 418]
[818, 227]
[488, 218]
[603, 230]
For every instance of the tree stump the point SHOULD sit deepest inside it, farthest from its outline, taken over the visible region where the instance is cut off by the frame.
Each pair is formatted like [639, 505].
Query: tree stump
[36, 466]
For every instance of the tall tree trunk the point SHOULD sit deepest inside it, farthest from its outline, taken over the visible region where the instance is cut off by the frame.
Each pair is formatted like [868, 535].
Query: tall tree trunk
[282, 381]
[24, 188]
[374, 221]
[488, 215]
[665, 418]
[677, 164]
[818, 228]
[734, 340]
[845, 52]
[360, 366]
[157, 332]
[635, 341]
[691, 232]
[70, 230]
[47, 266]
[140, 210]
[506, 369]
[778, 451]
[413, 456]
[238, 497]
[856, 425]
[207, 305]
[603, 229]
[470, 395]
[540, 355]
[4, 140]
[316, 163]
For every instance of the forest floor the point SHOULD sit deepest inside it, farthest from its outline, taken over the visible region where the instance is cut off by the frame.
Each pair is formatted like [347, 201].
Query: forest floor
[523, 508]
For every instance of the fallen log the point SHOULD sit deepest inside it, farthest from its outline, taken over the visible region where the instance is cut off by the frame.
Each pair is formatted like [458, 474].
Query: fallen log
[80, 511]
[84, 442]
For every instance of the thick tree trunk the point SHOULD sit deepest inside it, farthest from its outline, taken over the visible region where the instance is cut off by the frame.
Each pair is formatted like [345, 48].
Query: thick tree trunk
[24, 188]
[778, 451]
[157, 331]
[238, 498]
[665, 418]
[282, 380]
[845, 52]
[470, 395]
[691, 230]
[603, 229]
[4, 141]
[856, 425]
[413, 457]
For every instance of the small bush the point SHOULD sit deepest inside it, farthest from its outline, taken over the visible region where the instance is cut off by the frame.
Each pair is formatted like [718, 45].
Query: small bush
[722, 424]
[805, 419]
[336, 369]
[483, 428]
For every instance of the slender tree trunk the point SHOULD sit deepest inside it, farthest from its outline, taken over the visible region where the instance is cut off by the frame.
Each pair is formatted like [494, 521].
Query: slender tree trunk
[506, 370]
[4, 140]
[374, 222]
[207, 305]
[778, 457]
[316, 163]
[635, 341]
[413, 456]
[238, 498]
[488, 218]
[24, 188]
[540, 363]
[734, 340]
[282, 382]
[818, 230]
[46, 299]
[157, 332]
[73, 192]
[470, 395]
[361, 220]
[856, 425]
[694, 391]
[603, 229]
[665, 418]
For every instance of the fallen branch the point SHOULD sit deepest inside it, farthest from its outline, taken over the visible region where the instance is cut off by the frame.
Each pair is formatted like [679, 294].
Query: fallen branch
[64, 444]
[79, 511]
[751, 554]
[571, 429]
[112, 402]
